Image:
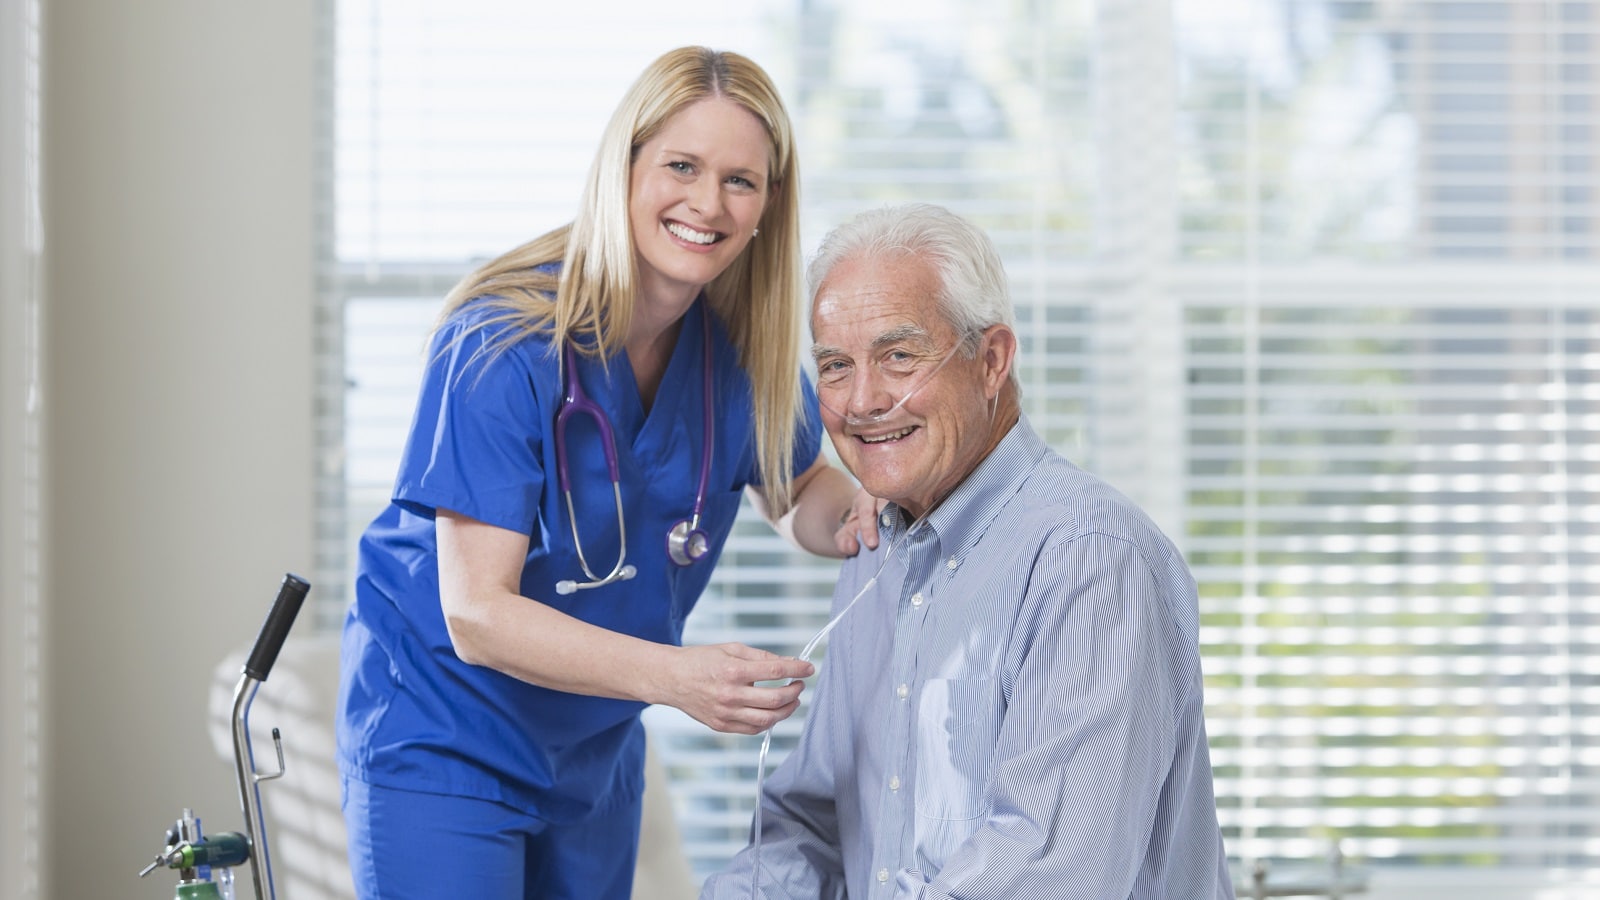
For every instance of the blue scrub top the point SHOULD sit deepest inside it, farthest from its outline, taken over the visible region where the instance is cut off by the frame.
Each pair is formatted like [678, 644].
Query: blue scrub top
[411, 714]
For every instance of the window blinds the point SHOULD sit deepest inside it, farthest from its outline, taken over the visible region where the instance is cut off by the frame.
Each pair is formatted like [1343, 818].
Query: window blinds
[1315, 282]
[21, 422]
[1386, 265]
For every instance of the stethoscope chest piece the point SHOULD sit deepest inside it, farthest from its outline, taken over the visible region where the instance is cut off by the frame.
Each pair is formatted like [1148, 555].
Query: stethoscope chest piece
[687, 543]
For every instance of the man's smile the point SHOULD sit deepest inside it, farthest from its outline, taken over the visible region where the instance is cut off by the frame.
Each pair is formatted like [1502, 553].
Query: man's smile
[885, 438]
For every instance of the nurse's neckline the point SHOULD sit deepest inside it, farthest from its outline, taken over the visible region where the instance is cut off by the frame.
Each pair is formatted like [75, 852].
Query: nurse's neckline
[649, 361]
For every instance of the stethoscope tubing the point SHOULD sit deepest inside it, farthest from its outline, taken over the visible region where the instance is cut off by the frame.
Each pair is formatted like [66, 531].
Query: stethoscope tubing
[708, 424]
[686, 542]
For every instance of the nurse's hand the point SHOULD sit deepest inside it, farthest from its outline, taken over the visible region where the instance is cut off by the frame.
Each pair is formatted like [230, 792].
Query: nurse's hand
[859, 527]
[716, 685]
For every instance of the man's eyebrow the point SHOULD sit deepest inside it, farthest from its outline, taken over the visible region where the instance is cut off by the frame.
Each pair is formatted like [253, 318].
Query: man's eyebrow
[893, 336]
[900, 333]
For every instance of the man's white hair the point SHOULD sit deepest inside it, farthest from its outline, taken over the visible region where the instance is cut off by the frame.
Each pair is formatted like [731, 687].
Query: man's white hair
[973, 293]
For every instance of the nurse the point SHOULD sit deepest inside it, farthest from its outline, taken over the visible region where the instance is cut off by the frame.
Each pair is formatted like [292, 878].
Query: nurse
[595, 404]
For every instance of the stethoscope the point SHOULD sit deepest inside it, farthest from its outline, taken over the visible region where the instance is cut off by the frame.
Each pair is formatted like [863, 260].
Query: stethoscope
[687, 542]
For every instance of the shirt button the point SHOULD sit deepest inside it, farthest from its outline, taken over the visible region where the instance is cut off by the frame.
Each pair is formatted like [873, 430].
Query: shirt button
[902, 692]
[883, 875]
[886, 519]
[950, 563]
[916, 599]
[894, 783]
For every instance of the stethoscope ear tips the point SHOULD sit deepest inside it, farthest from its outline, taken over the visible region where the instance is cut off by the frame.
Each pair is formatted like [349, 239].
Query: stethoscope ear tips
[568, 586]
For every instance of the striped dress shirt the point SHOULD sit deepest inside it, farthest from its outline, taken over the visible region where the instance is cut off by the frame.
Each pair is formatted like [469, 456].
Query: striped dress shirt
[1012, 709]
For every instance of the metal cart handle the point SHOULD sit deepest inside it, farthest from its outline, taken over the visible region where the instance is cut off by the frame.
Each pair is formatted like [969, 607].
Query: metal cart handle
[265, 652]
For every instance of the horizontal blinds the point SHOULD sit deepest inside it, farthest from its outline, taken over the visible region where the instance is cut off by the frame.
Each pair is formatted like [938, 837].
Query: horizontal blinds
[463, 129]
[1314, 282]
[1390, 508]
[1389, 131]
[22, 613]
[1385, 261]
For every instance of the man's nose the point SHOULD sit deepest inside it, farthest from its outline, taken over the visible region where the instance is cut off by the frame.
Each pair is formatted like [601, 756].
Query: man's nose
[869, 393]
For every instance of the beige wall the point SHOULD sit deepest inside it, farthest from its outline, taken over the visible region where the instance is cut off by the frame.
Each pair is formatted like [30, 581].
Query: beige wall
[178, 296]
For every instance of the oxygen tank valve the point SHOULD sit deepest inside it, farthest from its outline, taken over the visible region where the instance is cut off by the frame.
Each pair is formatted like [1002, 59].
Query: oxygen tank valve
[195, 855]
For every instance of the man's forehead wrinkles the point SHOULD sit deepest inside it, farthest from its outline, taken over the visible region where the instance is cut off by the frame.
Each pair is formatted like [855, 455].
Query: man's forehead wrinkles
[900, 333]
[896, 335]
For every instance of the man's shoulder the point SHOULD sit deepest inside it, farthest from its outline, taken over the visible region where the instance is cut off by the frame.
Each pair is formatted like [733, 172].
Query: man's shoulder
[1069, 503]
[1064, 488]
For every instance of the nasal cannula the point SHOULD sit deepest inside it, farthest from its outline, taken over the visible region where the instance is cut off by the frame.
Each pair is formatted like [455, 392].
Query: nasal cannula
[766, 738]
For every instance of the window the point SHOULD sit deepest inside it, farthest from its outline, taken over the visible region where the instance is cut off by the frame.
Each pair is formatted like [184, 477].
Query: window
[1316, 282]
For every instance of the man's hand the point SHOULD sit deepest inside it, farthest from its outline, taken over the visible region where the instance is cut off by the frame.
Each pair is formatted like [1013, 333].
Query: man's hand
[859, 525]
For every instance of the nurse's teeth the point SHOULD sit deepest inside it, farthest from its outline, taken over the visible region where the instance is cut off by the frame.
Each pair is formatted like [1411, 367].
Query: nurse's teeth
[689, 234]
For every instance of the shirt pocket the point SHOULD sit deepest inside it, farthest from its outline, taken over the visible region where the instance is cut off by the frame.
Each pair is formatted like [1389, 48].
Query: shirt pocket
[958, 722]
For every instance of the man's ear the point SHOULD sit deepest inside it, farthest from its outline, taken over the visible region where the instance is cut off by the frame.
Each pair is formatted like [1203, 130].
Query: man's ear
[999, 354]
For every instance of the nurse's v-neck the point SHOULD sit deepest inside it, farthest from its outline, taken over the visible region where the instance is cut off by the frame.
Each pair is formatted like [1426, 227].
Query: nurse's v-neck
[660, 377]
[680, 379]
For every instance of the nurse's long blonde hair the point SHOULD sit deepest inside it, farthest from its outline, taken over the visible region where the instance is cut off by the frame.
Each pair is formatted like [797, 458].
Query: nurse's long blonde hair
[592, 294]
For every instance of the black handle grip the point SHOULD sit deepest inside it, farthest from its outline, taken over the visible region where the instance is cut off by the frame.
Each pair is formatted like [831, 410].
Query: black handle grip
[276, 628]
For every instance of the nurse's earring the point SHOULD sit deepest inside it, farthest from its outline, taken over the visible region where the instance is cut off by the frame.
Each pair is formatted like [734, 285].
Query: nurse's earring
[756, 233]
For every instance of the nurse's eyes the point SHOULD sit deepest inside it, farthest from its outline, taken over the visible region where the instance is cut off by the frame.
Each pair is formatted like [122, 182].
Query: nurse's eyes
[688, 170]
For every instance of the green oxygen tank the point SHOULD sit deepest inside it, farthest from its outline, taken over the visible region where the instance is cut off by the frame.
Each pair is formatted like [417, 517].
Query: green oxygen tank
[200, 890]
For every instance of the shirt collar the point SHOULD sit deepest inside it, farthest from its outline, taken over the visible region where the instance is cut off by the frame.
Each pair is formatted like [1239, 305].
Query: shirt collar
[964, 515]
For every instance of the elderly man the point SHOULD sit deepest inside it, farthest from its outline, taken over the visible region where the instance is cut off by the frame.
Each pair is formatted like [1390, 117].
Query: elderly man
[1011, 707]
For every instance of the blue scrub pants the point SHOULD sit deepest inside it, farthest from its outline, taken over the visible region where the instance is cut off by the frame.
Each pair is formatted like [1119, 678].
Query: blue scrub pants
[406, 844]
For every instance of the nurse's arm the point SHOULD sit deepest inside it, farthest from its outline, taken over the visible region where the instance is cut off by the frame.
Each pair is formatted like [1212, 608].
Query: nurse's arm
[831, 516]
[492, 624]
